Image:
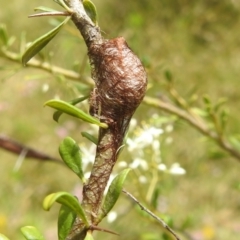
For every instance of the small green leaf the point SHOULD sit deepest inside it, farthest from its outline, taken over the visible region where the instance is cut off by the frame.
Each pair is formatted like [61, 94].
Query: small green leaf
[63, 4]
[41, 42]
[71, 155]
[74, 111]
[67, 200]
[206, 100]
[66, 219]
[113, 193]
[3, 237]
[3, 34]
[219, 104]
[89, 236]
[44, 9]
[78, 100]
[31, 233]
[155, 197]
[168, 76]
[200, 112]
[58, 114]
[235, 141]
[11, 40]
[90, 10]
[223, 119]
[90, 137]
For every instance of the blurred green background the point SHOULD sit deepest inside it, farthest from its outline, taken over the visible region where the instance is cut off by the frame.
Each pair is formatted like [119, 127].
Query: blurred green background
[199, 42]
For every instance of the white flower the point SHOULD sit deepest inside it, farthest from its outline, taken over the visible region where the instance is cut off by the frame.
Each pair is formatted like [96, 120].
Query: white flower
[169, 128]
[45, 87]
[131, 144]
[111, 217]
[142, 179]
[138, 162]
[149, 134]
[156, 145]
[146, 138]
[122, 164]
[162, 167]
[176, 169]
[133, 123]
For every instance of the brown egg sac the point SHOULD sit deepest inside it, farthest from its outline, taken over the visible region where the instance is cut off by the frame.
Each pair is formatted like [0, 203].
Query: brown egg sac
[120, 79]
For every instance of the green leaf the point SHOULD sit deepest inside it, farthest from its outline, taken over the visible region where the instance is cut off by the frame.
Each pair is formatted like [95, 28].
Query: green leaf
[41, 42]
[67, 200]
[3, 34]
[168, 76]
[200, 112]
[206, 100]
[113, 193]
[3, 237]
[31, 233]
[223, 119]
[74, 111]
[71, 155]
[58, 114]
[63, 4]
[44, 9]
[11, 40]
[22, 43]
[155, 197]
[220, 103]
[66, 219]
[89, 236]
[90, 10]
[90, 137]
[235, 141]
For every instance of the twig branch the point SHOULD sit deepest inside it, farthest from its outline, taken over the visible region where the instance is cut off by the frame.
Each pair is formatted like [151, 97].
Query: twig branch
[164, 225]
[195, 122]
[49, 14]
[17, 148]
[72, 75]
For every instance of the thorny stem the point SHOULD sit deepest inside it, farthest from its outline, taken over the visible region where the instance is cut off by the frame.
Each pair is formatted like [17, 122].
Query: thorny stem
[102, 168]
[49, 14]
[119, 79]
[152, 214]
[93, 190]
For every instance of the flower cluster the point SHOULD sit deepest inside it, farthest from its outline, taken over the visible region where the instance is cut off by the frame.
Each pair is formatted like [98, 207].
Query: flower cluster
[145, 148]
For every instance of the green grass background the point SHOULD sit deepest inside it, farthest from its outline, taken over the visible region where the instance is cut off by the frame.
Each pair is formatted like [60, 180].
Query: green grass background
[199, 42]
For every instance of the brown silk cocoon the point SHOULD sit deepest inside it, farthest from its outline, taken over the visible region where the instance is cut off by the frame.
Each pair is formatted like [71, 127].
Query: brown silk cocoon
[120, 79]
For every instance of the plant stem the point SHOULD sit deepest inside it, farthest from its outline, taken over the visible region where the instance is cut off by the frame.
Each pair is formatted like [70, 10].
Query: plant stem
[90, 32]
[152, 215]
[195, 122]
[102, 168]
[46, 66]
